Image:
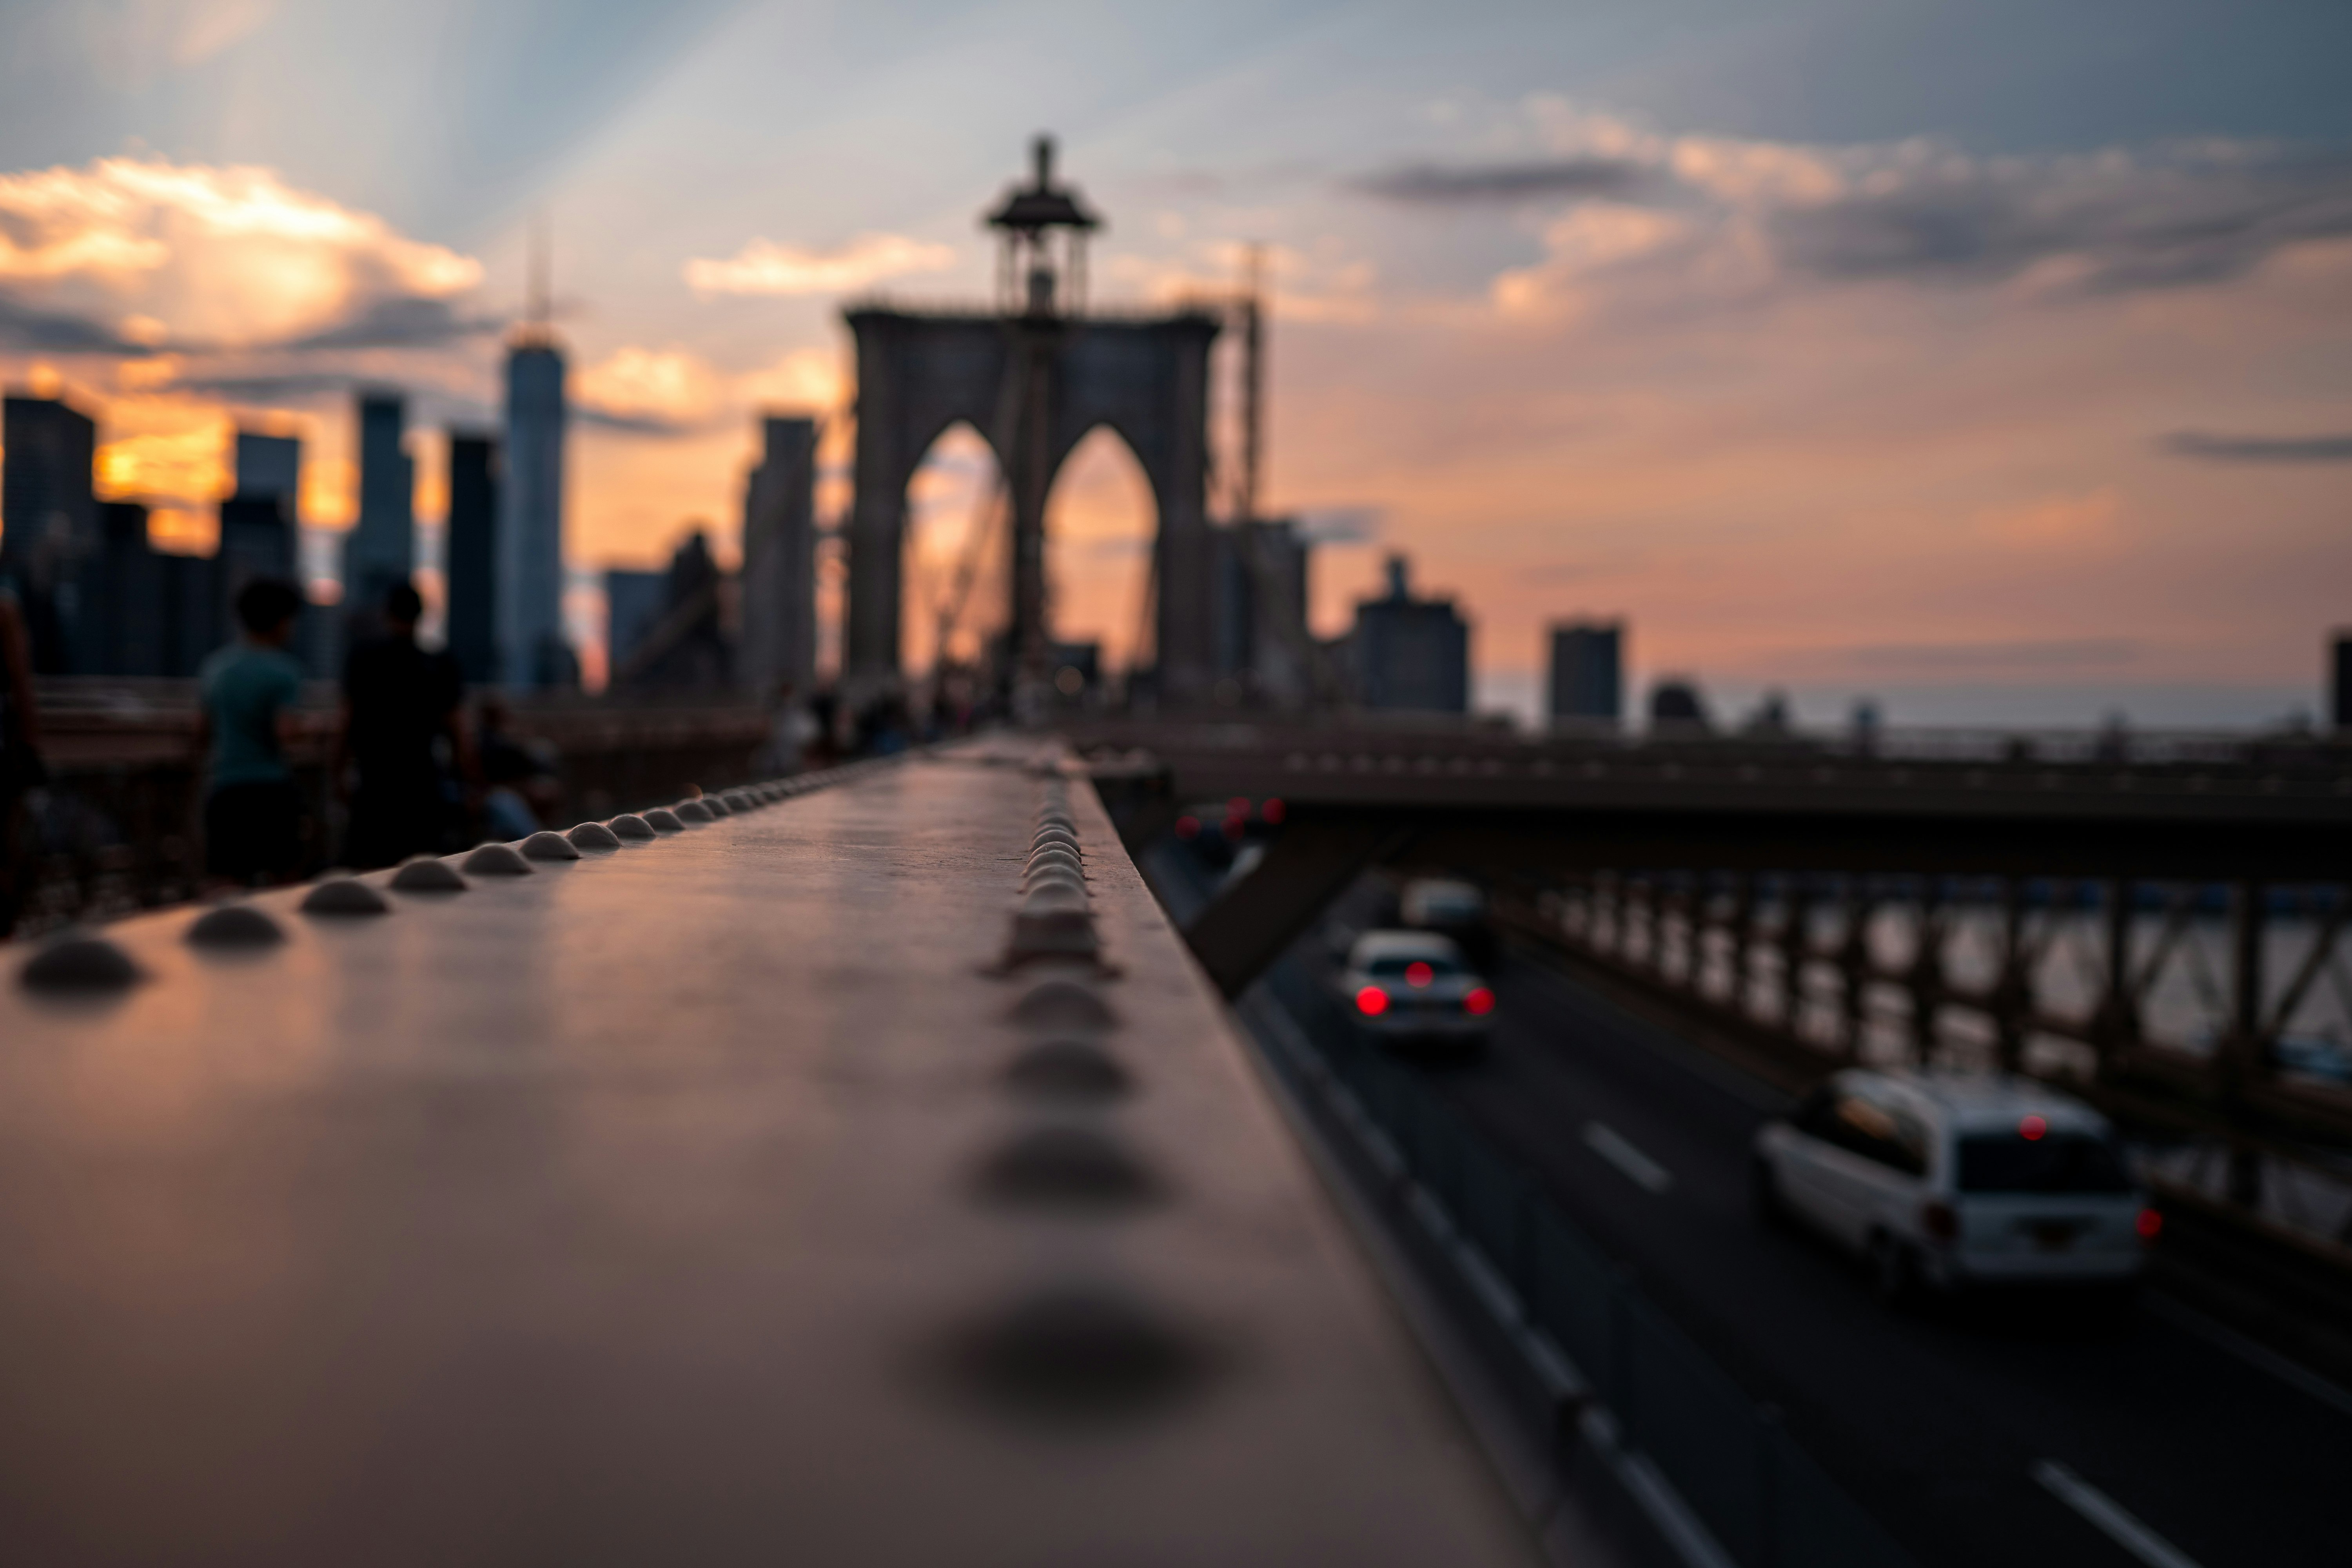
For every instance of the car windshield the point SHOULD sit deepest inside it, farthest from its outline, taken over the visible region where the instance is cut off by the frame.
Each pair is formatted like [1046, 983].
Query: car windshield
[2054, 1162]
[1397, 968]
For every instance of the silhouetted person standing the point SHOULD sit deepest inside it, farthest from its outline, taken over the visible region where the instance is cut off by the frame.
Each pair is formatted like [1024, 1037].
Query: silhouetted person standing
[400, 703]
[253, 809]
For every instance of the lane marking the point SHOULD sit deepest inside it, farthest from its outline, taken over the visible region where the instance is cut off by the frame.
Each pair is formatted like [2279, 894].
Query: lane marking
[2294, 1374]
[1634, 1165]
[2111, 1517]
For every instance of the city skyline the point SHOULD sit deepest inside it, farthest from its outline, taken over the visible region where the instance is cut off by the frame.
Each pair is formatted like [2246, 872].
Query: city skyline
[1616, 330]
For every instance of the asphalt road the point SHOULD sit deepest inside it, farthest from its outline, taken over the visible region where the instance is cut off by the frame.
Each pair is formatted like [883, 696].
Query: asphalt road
[2012, 1434]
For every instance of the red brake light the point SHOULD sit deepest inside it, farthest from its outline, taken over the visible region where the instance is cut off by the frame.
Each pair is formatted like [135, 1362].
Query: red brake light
[1481, 1000]
[1418, 974]
[1271, 812]
[2032, 1128]
[1187, 827]
[2150, 1224]
[1939, 1221]
[1372, 1001]
[1237, 806]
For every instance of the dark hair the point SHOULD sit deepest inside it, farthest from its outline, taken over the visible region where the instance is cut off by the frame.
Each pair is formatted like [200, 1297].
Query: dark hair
[404, 604]
[267, 604]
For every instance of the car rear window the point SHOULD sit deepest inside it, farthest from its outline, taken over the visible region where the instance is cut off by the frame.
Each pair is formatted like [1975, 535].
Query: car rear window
[1394, 968]
[2054, 1163]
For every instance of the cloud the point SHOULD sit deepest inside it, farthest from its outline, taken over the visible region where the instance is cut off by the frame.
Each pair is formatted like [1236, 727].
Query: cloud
[2057, 522]
[802, 379]
[1342, 524]
[2258, 448]
[762, 266]
[1449, 184]
[139, 254]
[403, 323]
[655, 392]
[2119, 221]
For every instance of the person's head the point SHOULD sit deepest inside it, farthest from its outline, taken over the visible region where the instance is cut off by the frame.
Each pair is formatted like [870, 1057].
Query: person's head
[403, 609]
[266, 608]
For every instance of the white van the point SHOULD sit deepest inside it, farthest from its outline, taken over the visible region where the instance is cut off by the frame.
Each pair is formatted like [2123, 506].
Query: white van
[1948, 1180]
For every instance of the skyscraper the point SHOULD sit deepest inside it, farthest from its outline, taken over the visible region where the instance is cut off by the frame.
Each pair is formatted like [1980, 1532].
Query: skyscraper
[48, 504]
[529, 560]
[382, 550]
[472, 553]
[1588, 677]
[272, 465]
[1411, 654]
[779, 561]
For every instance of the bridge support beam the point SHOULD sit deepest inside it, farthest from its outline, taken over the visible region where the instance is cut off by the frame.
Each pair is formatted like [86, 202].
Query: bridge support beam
[1249, 925]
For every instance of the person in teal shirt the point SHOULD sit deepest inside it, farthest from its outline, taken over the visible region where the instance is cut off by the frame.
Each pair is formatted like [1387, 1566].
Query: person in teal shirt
[253, 809]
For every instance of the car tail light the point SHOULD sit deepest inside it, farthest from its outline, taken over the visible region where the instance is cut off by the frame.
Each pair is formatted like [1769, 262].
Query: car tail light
[1187, 827]
[1939, 1221]
[2032, 1128]
[1271, 812]
[2149, 1223]
[1372, 1001]
[1480, 1002]
[1418, 975]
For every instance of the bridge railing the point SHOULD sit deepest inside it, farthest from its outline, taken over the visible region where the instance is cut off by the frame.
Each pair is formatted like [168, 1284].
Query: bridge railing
[1728, 1458]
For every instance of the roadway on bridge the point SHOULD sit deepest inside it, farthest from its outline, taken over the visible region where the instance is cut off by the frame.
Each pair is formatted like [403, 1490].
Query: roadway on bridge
[1950, 1425]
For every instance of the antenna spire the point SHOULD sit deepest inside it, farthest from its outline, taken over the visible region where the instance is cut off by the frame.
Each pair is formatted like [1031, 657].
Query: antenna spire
[536, 309]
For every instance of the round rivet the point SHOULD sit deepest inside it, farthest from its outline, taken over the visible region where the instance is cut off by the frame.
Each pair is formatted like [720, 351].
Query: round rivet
[235, 925]
[630, 826]
[692, 811]
[496, 861]
[345, 895]
[596, 835]
[1069, 1070]
[715, 805]
[1059, 1003]
[548, 845]
[1077, 1353]
[1066, 1167]
[1055, 836]
[739, 800]
[79, 962]
[426, 874]
[661, 819]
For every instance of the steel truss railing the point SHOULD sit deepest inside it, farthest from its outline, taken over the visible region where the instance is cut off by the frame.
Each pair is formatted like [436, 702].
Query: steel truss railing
[2232, 1006]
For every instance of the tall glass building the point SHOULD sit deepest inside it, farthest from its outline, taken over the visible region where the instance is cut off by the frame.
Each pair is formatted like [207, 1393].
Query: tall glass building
[528, 581]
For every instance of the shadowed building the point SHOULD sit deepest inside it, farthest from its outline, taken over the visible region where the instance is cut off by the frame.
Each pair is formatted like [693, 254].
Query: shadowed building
[528, 574]
[1258, 612]
[270, 466]
[779, 583]
[1411, 655]
[686, 644]
[1588, 672]
[49, 507]
[1033, 379]
[381, 549]
[633, 604]
[472, 553]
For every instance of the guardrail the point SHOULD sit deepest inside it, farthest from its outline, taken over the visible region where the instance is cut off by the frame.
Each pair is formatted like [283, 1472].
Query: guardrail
[1638, 1387]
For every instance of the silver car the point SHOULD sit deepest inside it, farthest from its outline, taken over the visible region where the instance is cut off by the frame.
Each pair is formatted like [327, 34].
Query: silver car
[1946, 1180]
[1413, 984]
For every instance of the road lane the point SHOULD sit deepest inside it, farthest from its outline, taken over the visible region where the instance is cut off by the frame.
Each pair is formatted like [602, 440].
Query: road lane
[1940, 1422]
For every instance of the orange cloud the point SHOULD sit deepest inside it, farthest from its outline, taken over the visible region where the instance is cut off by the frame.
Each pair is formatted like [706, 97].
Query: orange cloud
[764, 266]
[151, 251]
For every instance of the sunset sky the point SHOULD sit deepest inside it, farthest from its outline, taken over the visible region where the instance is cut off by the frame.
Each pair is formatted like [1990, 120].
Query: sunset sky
[1993, 359]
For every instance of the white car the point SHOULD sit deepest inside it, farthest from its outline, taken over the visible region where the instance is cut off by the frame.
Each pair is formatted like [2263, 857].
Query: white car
[1413, 984]
[1948, 1180]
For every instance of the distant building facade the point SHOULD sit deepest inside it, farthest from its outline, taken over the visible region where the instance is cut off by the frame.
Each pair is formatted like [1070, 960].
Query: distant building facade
[270, 466]
[633, 606]
[686, 643]
[1588, 672]
[779, 580]
[471, 553]
[49, 505]
[1257, 611]
[527, 571]
[381, 549]
[1408, 654]
[2340, 683]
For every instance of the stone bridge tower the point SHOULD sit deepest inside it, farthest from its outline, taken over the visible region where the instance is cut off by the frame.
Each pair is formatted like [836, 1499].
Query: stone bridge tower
[1033, 377]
